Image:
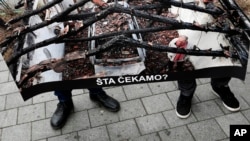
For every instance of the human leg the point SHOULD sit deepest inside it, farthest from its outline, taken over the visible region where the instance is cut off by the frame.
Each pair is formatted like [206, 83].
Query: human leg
[64, 107]
[99, 95]
[64, 95]
[187, 89]
[220, 88]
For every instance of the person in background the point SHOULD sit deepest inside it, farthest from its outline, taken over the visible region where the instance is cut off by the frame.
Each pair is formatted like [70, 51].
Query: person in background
[65, 105]
[187, 87]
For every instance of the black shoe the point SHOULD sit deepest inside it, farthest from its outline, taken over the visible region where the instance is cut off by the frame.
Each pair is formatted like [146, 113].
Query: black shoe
[183, 107]
[106, 101]
[61, 114]
[228, 98]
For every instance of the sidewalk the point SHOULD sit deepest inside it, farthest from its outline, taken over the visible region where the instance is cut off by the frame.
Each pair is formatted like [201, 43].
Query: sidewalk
[147, 114]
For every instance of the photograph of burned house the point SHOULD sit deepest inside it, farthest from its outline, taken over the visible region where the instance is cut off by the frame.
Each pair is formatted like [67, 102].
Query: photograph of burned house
[56, 40]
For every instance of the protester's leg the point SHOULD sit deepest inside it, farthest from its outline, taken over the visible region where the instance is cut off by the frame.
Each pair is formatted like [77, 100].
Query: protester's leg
[187, 89]
[64, 96]
[220, 88]
[100, 96]
[64, 107]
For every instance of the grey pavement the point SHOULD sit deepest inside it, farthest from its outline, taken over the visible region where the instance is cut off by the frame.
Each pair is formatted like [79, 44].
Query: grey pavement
[147, 114]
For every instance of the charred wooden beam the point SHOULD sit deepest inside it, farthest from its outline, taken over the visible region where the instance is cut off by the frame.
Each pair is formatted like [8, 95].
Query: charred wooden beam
[193, 7]
[85, 15]
[34, 12]
[239, 19]
[237, 16]
[111, 34]
[81, 16]
[86, 23]
[150, 46]
[241, 45]
[150, 23]
[105, 47]
[16, 48]
[144, 7]
[177, 24]
[45, 23]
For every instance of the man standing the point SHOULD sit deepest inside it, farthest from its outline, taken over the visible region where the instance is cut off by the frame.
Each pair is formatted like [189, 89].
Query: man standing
[65, 105]
[187, 88]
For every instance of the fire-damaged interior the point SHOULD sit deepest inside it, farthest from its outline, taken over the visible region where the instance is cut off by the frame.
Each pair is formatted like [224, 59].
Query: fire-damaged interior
[58, 40]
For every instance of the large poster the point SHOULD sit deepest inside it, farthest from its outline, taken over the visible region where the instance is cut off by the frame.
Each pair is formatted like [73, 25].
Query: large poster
[59, 45]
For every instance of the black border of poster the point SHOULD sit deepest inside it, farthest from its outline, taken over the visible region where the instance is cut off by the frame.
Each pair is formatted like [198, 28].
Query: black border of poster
[215, 72]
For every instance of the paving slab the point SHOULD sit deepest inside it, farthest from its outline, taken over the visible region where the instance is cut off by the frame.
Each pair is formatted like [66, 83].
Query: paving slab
[203, 80]
[100, 116]
[83, 102]
[160, 87]
[123, 130]
[176, 134]
[10, 77]
[207, 130]
[66, 137]
[0, 134]
[77, 121]
[20, 132]
[131, 109]
[31, 113]
[227, 120]
[7, 88]
[44, 97]
[2, 102]
[204, 93]
[206, 110]
[149, 137]
[117, 93]
[246, 113]
[42, 140]
[137, 91]
[8, 118]
[41, 130]
[175, 121]
[4, 76]
[225, 139]
[50, 108]
[157, 103]
[15, 100]
[151, 123]
[77, 91]
[3, 65]
[94, 134]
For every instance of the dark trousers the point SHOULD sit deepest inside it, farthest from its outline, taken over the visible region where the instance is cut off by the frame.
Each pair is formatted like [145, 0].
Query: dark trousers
[187, 87]
[66, 95]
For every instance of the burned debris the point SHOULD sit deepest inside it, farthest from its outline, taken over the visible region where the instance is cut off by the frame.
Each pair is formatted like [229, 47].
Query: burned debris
[100, 38]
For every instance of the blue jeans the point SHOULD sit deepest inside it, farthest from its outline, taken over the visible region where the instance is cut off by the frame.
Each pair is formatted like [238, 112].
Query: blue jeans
[187, 87]
[66, 95]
